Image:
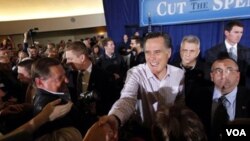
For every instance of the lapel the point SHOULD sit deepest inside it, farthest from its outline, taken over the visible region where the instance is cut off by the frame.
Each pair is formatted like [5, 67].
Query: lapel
[240, 51]
[222, 50]
[210, 99]
[241, 104]
[91, 79]
[96, 77]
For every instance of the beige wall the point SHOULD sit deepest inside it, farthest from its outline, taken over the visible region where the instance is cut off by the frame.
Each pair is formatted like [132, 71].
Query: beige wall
[56, 20]
[55, 24]
[13, 10]
[56, 29]
[56, 36]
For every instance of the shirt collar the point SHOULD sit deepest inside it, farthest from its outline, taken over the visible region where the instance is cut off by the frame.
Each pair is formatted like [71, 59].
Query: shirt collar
[108, 57]
[228, 46]
[183, 68]
[89, 69]
[230, 96]
[56, 93]
[150, 74]
[148, 71]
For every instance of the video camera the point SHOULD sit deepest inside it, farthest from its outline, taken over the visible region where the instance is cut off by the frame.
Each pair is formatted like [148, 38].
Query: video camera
[33, 31]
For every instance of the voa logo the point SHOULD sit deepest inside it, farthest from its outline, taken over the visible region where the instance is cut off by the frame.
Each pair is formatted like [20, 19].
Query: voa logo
[236, 132]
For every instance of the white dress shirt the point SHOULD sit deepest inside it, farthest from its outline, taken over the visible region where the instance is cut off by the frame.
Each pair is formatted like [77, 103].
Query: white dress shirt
[142, 90]
[231, 101]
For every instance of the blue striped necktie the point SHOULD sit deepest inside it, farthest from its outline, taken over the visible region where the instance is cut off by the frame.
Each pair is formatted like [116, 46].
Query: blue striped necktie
[233, 53]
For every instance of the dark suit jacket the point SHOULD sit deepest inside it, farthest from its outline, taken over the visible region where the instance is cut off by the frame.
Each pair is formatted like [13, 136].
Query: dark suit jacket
[220, 50]
[115, 64]
[99, 98]
[103, 85]
[201, 104]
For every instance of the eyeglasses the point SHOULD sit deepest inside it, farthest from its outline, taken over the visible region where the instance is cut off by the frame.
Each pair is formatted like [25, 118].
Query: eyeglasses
[226, 71]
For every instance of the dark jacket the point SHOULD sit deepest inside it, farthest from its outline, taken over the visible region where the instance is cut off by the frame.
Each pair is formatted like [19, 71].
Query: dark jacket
[137, 59]
[73, 118]
[102, 84]
[201, 103]
[112, 65]
[194, 77]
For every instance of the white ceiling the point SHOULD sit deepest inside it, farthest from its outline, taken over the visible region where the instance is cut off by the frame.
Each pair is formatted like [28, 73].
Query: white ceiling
[13, 10]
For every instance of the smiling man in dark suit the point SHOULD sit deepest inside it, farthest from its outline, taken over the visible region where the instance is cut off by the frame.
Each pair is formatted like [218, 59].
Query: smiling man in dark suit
[231, 48]
[94, 78]
[226, 92]
[50, 81]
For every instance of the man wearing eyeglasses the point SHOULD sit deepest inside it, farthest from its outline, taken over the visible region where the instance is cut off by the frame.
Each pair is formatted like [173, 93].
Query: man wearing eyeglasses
[234, 100]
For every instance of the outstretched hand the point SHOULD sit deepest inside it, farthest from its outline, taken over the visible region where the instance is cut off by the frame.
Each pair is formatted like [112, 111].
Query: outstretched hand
[110, 124]
[53, 110]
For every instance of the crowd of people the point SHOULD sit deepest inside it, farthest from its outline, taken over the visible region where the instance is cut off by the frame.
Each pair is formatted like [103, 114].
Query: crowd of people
[59, 92]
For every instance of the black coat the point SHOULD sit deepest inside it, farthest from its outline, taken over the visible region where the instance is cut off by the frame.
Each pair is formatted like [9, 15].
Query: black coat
[194, 77]
[73, 118]
[137, 59]
[104, 87]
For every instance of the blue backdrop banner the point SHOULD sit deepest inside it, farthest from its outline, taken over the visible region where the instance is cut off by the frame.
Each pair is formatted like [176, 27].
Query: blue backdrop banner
[165, 12]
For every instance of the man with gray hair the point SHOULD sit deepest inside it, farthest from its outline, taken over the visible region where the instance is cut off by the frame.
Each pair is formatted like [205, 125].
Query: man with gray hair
[189, 51]
[189, 62]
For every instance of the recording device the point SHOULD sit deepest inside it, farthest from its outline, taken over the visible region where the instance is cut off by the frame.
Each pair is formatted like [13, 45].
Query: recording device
[32, 32]
[87, 100]
[89, 95]
[34, 29]
[63, 101]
